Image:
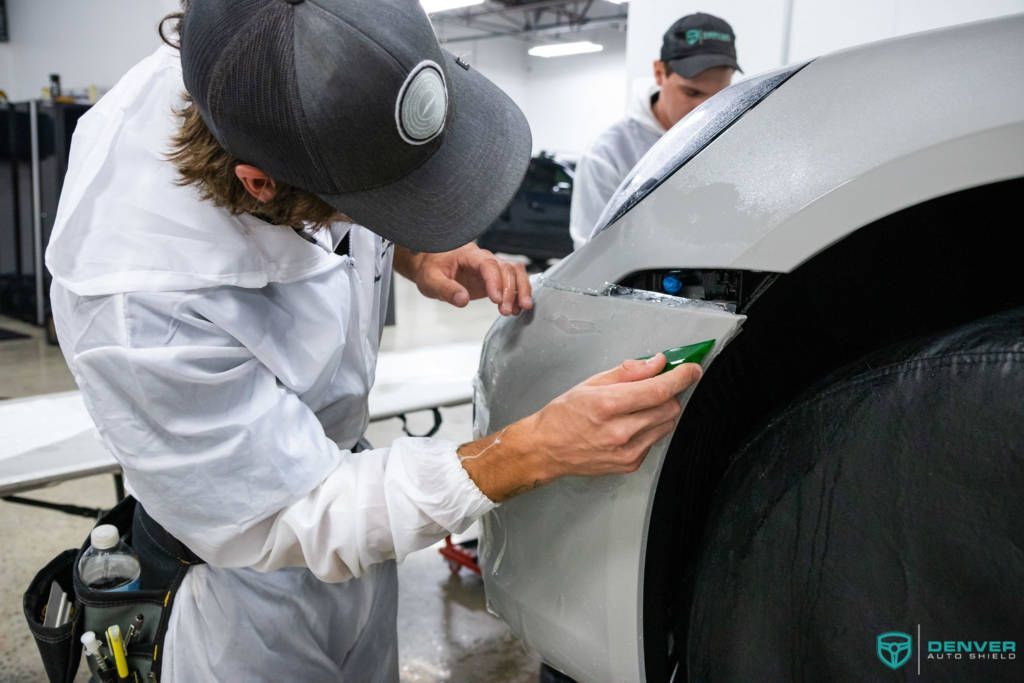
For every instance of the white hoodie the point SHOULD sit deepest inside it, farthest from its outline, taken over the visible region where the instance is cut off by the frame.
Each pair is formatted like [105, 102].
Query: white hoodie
[226, 363]
[610, 158]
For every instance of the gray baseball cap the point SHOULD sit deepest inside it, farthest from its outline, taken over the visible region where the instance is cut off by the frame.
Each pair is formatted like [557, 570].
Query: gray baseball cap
[355, 101]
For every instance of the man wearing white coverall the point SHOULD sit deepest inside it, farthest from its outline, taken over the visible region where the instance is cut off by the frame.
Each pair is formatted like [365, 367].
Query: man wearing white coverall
[698, 58]
[221, 314]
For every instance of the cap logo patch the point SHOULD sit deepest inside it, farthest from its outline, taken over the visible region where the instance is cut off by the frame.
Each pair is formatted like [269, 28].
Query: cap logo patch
[422, 105]
[695, 35]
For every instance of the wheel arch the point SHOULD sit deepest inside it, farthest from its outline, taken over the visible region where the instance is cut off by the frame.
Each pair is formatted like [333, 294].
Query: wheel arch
[918, 271]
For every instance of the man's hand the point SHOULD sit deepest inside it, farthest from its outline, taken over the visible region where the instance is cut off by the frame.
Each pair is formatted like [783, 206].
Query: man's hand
[604, 425]
[467, 273]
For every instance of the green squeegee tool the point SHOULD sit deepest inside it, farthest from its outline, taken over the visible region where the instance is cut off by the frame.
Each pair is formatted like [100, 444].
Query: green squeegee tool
[694, 353]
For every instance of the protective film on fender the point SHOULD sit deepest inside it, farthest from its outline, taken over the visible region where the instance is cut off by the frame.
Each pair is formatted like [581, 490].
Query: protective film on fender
[596, 526]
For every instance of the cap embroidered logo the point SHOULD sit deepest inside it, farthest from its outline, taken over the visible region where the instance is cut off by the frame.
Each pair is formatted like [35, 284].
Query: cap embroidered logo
[422, 105]
[694, 36]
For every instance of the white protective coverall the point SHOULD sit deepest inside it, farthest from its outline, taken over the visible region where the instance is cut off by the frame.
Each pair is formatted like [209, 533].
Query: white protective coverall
[226, 363]
[612, 155]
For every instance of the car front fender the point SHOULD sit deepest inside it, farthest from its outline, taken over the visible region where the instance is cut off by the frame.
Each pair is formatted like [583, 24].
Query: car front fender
[563, 565]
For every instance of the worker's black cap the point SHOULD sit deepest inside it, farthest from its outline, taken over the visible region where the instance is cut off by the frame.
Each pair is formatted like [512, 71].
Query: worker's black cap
[698, 42]
[355, 101]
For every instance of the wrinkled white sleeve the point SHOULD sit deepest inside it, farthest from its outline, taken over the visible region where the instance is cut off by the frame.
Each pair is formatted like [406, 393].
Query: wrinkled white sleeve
[236, 466]
[594, 184]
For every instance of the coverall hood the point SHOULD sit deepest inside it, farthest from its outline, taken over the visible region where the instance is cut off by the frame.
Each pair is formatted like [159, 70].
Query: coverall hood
[609, 159]
[641, 108]
[124, 224]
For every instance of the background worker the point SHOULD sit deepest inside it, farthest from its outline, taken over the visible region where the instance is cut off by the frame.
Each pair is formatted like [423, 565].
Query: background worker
[221, 314]
[698, 58]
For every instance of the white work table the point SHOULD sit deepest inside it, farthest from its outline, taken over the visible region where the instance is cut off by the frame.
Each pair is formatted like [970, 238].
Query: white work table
[47, 439]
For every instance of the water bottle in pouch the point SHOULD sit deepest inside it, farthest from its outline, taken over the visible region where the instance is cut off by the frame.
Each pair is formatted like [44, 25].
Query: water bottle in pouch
[109, 564]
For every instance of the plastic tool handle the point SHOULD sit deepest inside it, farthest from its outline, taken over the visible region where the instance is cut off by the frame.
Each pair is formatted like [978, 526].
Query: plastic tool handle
[693, 353]
[117, 651]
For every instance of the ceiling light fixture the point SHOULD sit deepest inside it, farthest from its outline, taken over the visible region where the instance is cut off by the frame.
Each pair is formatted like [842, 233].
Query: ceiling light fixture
[434, 6]
[565, 49]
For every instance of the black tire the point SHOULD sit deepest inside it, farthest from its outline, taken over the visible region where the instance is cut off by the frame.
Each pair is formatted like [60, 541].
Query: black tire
[890, 497]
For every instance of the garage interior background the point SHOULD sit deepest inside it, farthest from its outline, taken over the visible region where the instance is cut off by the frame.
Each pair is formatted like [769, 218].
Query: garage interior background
[567, 100]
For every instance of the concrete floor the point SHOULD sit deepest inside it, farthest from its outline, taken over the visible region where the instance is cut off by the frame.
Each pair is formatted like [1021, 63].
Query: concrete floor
[445, 632]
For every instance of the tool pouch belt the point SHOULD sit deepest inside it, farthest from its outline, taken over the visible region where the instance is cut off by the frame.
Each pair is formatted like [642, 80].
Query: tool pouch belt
[164, 561]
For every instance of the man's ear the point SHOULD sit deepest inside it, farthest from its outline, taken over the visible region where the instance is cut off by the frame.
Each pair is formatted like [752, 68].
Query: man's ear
[256, 182]
[660, 72]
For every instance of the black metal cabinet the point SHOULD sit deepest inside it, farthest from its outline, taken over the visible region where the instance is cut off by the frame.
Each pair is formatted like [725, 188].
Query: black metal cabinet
[35, 141]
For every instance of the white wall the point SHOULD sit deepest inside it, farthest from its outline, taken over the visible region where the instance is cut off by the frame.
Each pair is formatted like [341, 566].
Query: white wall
[573, 99]
[567, 100]
[828, 25]
[818, 26]
[502, 60]
[88, 42]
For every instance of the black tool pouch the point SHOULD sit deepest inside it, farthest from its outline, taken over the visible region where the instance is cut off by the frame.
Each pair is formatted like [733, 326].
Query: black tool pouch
[60, 647]
[164, 562]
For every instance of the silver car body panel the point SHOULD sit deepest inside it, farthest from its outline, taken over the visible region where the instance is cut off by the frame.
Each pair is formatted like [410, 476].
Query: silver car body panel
[850, 138]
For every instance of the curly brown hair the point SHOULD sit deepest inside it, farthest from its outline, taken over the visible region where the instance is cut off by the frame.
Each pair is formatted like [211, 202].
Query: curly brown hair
[202, 161]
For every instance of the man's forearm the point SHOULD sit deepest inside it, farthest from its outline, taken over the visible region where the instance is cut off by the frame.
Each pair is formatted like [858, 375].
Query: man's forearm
[504, 465]
[603, 425]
